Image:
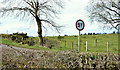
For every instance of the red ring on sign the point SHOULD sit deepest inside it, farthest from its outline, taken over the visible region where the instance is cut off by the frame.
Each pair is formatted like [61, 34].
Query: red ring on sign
[83, 25]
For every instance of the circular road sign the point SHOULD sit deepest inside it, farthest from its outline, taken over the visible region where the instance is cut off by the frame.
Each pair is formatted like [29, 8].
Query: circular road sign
[80, 25]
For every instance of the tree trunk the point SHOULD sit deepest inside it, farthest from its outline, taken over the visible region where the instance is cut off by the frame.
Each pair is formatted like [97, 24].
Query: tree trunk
[39, 30]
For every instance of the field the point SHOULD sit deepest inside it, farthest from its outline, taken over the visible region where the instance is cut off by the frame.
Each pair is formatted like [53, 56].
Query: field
[95, 43]
[92, 47]
[62, 55]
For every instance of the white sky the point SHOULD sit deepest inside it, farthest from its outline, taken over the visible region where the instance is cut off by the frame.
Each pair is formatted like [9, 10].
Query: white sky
[74, 10]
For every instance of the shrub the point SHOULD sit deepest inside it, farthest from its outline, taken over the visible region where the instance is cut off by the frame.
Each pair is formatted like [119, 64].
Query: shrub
[89, 33]
[60, 37]
[50, 43]
[31, 42]
[93, 33]
[85, 33]
[65, 35]
[75, 35]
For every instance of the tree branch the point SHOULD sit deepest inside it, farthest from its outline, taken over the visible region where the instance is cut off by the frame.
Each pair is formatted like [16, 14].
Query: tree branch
[35, 8]
[30, 3]
[114, 26]
[115, 6]
[17, 8]
[52, 24]
[44, 3]
[112, 10]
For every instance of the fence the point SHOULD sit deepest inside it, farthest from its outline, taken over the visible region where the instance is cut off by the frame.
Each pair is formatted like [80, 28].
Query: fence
[0, 39]
[86, 46]
[107, 45]
[0, 52]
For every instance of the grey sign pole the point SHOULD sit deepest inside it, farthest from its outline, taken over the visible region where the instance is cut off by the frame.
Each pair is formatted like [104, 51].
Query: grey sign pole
[80, 26]
[79, 42]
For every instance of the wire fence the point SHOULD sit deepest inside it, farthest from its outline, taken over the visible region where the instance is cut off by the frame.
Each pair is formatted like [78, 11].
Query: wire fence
[107, 46]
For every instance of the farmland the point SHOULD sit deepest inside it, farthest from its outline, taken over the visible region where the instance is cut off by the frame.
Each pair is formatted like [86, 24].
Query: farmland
[71, 43]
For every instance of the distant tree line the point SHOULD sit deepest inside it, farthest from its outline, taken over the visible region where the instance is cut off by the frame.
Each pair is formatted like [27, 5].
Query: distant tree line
[94, 33]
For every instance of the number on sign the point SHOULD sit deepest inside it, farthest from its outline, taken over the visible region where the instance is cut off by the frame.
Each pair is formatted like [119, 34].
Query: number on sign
[79, 24]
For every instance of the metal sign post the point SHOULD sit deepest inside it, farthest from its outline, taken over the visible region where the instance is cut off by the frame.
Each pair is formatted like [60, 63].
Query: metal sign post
[80, 26]
[79, 42]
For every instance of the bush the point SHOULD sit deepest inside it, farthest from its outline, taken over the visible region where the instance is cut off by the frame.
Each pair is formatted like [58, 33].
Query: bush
[85, 33]
[50, 43]
[65, 35]
[93, 33]
[60, 37]
[113, 32]
[89, 33]
[75, 36]
[31, 42]
[13, 38]
[16, 37]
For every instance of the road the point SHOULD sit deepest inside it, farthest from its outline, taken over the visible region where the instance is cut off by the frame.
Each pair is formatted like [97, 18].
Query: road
[7, 46]
[2, 46]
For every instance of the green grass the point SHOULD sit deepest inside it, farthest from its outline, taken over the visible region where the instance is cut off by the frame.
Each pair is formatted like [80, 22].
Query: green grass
[101, 43]
[8, 42]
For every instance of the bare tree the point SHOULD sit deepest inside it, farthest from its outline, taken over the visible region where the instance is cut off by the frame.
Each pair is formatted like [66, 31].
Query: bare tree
[105, 11]
[42, 11]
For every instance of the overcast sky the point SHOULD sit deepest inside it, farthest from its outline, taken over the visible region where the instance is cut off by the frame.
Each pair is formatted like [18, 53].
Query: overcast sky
[74, 10]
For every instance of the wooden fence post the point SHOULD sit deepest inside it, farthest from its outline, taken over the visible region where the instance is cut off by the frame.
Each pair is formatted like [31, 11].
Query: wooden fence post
[86, 46]
[65, 43]
[0, 52]
[0, 39]
[56, 44]
[107, 46]
[95, 43]
[72, 45]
